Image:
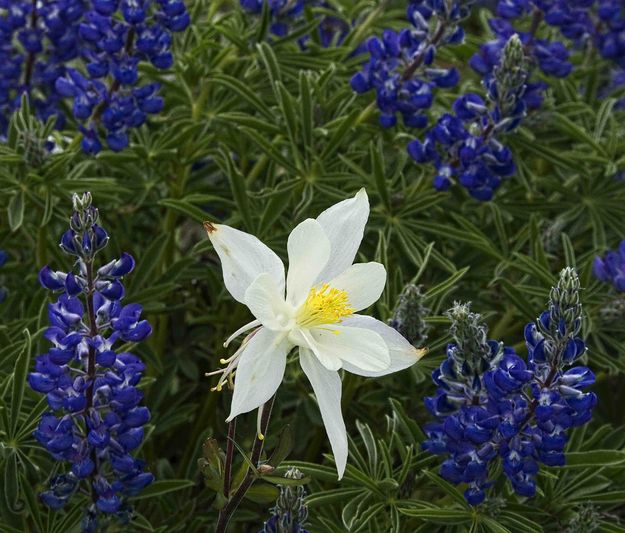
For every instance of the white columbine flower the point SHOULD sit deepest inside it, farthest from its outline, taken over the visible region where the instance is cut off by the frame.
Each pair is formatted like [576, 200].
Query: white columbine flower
[316, 313]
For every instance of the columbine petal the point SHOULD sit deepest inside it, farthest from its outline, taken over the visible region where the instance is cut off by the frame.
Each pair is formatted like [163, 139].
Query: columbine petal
[402, 353]
[363, 348]
[243, 257]
[309, 250]
[363, 282]
[344, 225]
[266, 302]
[327, 387]
[259, 372]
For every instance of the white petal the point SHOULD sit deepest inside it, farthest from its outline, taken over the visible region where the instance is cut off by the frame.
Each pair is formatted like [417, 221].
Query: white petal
[362, 348]
[266, 302]
[403, 354]
[259, 372]
[344, 224]
[303, 338]
[309, 250]
[327, 387]
[243, 257]
[363, 282]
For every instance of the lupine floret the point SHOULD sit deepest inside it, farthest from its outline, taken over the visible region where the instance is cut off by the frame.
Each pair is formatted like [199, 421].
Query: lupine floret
[610, 268]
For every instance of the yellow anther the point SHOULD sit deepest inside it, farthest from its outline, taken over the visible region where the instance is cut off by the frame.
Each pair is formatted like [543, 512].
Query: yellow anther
[324, 305]
[261, 436]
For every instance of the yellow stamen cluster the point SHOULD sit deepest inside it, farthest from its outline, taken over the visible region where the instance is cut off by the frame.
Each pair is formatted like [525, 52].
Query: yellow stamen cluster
[324, 305]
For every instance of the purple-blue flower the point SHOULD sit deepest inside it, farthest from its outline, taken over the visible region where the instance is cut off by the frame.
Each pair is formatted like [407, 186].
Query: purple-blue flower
[116, 36]
[401, 66]
[95, 420]
[493, 405]
[37, 41]
[611, 267]
[465, 146]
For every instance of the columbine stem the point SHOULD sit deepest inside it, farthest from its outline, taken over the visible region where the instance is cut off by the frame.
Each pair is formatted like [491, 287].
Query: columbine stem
[232, 429]
[227, 511]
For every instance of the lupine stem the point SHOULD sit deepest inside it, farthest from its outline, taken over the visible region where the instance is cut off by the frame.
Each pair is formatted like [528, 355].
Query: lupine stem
[30, 61]
[257, 448]
[418, 60]
[91, 367]
[130, 40]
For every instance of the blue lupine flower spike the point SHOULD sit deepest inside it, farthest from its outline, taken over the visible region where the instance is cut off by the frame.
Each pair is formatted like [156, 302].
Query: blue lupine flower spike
[465, 146]
[410, 314]
[401, 65]
[116, 36]
[37, 41]
[95, 420]
[492, 405]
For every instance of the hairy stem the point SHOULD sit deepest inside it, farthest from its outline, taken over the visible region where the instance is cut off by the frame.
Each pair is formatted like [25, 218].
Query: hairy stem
[91, 363]
[228, 510]
[232, 429]
[130, 41]
[30, 60]
[418, 59]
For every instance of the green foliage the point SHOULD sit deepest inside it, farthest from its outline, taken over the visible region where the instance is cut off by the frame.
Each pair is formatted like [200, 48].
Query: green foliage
[261, 136]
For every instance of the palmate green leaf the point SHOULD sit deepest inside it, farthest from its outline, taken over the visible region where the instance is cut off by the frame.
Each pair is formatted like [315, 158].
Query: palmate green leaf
[333, 496]
[611, 527]
[603, 117]
[377, 164]
[447, 285]
[243, 119]
[284, 447]
[16, 211]
[158, 488]
[517, 522]
[242, 90]
[238, 187]
[185, 208]
[569, 127]
[151, 257]
[436, 516]
[19, 382]
[452, 491]
[11, 483]
[492, 525]
[271, 149]
[32, 503]
[270, 62]
[594, 459]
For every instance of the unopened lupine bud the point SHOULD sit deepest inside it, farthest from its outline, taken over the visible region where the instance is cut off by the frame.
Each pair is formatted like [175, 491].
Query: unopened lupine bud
[290, 513]
[409, 315]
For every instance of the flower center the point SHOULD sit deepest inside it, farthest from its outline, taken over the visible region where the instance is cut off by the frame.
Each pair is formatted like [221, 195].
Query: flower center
[324, 305]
